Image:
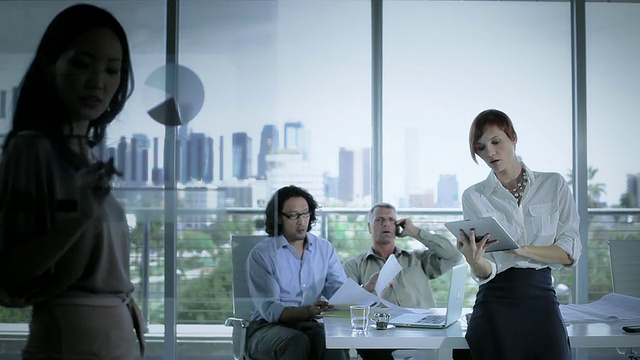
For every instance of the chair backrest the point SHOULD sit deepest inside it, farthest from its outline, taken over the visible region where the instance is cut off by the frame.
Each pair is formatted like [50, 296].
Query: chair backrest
[240, 248]
[625, 266]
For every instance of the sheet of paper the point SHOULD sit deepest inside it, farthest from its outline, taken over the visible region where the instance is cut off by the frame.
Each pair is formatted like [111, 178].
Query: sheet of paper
[389, 271]
[610, 307]
[351, 293]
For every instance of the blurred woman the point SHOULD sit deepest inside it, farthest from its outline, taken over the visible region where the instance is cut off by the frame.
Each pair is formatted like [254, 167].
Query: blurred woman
[64, 245]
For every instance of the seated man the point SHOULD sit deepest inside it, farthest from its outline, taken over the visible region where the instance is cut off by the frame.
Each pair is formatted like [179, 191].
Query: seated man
[288, 272]
[410, 288]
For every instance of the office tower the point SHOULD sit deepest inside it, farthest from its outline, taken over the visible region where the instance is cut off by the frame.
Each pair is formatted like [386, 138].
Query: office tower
[199, 157]
[295, 138]
[208, 172]
[221, 152]
[268, 144]
[182, 149]
[411, 158]
[284, 168]
[330, 184]
[121, 155]
[354, 180]
[157, 174]
[633, 187]
[140, 155]
[241, 155]
[448, 191]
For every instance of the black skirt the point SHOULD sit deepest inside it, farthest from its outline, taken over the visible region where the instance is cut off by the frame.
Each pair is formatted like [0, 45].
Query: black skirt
[516, 317]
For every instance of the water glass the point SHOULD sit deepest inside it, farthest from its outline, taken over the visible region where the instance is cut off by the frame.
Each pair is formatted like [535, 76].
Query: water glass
[359, 317]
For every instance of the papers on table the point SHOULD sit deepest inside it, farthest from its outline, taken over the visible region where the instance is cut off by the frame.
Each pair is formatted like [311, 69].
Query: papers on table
[351, 293]
[610, 307]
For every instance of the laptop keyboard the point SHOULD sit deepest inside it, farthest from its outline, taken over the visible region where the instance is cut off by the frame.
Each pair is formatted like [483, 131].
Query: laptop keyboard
[432, 319]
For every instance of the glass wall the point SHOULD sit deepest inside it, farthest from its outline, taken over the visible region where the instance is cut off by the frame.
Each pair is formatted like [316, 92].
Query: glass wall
[444, 62]
[273, 93]
[613, 87]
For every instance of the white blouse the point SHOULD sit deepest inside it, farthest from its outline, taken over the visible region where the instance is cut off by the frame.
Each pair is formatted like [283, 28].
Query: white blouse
[547, 215]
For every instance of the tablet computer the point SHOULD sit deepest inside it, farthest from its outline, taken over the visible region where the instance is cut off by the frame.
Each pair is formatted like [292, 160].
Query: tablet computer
[482, 226]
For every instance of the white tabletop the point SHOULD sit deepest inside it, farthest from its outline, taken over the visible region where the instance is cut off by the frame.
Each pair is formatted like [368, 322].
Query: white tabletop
[582, 335]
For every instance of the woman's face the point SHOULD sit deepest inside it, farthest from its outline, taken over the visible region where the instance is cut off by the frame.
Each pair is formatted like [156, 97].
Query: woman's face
[88, 75]
[496, 149]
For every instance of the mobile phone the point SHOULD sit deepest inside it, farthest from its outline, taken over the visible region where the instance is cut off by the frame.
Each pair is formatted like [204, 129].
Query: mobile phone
[631, 328]
[399, 228]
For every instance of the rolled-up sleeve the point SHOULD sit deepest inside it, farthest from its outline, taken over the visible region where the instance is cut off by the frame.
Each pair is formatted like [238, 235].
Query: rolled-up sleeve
[264, 289]
[567, 231]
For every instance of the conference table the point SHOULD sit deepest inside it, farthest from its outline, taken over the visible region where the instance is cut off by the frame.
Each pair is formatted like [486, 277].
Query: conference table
[439, 343]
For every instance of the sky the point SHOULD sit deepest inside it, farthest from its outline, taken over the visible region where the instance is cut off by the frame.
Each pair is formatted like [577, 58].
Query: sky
[444, 62]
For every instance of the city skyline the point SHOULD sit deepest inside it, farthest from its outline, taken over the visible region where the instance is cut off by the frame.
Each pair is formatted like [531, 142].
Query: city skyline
[442, 65]
[351, 185]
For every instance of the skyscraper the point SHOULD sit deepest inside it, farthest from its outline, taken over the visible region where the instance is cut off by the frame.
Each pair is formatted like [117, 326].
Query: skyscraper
[295, 138]
[241, 155]
[221, 152]
[448, 191]
[199, 156]
[157, 174]
[354, 180]
[139, 160]
[268, 144]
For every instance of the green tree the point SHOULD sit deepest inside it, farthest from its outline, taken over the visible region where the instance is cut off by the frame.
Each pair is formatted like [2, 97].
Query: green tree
[594, 189]
[628, 201]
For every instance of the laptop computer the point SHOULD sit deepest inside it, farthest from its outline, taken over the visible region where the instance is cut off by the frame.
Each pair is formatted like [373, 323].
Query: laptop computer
[454, 305]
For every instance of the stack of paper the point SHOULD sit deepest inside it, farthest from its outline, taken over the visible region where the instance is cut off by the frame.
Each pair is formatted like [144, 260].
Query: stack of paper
[610, 307]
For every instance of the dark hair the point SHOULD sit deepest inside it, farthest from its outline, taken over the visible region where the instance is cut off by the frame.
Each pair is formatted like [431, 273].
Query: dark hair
[272, 212]
[485, 118]
[38, 105]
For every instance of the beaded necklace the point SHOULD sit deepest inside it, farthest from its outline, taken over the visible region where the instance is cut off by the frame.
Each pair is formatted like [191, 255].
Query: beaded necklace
[521, 184]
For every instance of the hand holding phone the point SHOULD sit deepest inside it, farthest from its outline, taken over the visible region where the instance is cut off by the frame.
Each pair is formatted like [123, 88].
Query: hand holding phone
[399, 228]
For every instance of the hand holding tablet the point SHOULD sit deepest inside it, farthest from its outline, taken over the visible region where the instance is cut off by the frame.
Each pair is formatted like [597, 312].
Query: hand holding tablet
[483, 226]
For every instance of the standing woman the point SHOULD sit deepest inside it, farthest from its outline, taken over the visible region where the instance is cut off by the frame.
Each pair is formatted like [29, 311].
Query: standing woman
[516, 314]
[64, 245]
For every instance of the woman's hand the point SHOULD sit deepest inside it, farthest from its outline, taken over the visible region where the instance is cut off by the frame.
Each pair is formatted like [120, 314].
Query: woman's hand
[93, 187]
[474, 251]
[471, 249]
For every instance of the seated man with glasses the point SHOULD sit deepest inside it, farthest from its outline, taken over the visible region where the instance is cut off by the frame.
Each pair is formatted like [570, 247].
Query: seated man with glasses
[289, 273]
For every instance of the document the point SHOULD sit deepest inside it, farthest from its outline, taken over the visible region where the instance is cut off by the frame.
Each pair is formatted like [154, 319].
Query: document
[388, 272]
[610, 307]
[351, 293]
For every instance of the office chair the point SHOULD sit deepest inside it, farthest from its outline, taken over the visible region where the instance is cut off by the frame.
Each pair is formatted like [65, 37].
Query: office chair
[242, 303]
[624, 256]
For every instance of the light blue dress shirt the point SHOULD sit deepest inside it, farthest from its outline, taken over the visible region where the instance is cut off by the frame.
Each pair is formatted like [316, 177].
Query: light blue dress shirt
[278, 278]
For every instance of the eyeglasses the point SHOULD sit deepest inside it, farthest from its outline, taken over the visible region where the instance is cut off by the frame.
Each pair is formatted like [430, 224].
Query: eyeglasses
[296, 216]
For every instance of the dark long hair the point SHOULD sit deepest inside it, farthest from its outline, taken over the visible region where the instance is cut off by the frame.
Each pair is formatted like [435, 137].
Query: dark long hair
[272, 212]
[38, 105]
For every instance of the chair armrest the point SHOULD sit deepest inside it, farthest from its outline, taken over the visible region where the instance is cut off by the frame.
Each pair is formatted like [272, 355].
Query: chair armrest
[233, 321]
